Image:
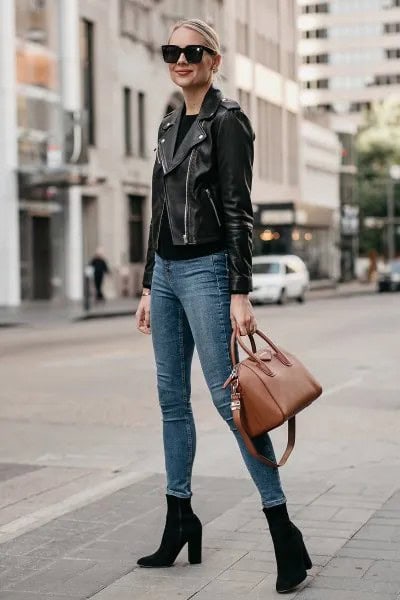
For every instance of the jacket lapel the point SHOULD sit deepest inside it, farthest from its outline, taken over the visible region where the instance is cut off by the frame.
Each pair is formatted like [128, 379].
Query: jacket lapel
[196, 134]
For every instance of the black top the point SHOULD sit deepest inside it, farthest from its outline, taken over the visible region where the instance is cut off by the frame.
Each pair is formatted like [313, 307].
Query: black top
[166, 248]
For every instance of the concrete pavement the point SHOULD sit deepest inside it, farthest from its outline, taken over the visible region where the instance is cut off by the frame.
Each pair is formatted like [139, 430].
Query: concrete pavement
[81, 484]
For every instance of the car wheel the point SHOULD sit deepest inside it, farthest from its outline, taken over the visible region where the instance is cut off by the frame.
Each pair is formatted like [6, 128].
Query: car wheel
[283, 297]
[302, 298]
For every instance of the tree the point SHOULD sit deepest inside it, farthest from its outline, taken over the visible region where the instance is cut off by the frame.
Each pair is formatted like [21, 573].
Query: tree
[378, 148]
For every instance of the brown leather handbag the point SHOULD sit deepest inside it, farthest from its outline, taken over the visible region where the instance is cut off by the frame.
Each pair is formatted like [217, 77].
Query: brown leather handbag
[268, 387]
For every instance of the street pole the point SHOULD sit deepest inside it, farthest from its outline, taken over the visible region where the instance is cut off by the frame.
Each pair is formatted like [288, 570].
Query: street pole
[390, 220]
[9, 217]
[71, 101]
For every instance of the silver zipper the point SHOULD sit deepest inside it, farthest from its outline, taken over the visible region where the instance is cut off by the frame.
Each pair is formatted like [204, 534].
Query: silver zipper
[185, 236]
[161, 156]
[213, 205]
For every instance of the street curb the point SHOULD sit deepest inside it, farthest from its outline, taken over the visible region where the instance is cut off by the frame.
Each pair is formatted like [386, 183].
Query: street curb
[132, 311]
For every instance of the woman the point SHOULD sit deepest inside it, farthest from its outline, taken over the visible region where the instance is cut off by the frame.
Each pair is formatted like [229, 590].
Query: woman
[196, 284]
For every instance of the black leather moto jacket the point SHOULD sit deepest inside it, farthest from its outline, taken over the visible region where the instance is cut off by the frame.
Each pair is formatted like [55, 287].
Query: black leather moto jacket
[205, 187]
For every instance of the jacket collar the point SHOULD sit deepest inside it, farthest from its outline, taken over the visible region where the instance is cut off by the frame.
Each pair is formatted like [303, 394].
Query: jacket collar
[196, 135]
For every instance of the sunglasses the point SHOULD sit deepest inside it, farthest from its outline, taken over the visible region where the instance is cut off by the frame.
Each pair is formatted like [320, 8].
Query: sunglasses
[192, 53]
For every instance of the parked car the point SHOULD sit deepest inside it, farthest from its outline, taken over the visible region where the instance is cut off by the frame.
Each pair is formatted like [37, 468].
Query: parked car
[279, 278]
[389, 277]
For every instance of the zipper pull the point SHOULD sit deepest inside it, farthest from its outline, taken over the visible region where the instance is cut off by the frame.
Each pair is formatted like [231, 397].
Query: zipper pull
[231, 378]
[185, 238]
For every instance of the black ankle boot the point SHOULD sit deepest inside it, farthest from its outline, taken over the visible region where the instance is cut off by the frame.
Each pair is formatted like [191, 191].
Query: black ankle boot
[292, 558]
[182, 526]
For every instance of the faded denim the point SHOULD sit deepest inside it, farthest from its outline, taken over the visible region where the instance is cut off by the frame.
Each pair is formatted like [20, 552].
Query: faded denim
[190, 306]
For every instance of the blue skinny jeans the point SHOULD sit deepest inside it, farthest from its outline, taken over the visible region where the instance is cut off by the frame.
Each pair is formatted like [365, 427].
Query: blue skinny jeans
[190, 306]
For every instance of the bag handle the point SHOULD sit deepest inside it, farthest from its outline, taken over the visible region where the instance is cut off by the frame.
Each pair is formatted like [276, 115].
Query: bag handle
[250, 445]
[279, 354]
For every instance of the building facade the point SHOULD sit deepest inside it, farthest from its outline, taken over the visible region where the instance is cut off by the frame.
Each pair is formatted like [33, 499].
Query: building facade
[350, 54]
[85, 88]
[350, 57]
[320, 184]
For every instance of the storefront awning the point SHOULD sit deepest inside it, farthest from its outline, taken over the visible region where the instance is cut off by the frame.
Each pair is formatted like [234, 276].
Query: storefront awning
[60, 178]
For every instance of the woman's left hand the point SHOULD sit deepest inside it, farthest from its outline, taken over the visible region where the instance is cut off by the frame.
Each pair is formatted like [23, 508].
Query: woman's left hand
[242, 314]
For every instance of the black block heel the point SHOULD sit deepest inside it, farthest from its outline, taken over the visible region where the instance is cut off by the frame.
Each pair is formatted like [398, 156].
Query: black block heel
[182, 527]
[194, 548]
[306, 557]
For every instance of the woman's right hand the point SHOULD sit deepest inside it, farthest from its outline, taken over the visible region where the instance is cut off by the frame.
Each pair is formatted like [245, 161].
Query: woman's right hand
[143, 315]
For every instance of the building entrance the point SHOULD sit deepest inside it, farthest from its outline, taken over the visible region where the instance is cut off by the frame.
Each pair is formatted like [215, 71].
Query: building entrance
[41, 249]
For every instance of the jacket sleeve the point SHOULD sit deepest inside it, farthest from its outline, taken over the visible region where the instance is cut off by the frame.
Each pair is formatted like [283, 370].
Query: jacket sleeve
[148, 270]
[235, 152]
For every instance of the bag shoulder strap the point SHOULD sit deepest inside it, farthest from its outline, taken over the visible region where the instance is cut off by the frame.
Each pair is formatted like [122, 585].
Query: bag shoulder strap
[250, 445]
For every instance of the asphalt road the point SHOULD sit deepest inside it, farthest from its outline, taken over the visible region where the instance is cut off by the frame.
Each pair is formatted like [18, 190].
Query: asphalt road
[84, 395]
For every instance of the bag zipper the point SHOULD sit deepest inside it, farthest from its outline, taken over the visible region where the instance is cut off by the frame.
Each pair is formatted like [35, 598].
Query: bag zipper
[213, 205]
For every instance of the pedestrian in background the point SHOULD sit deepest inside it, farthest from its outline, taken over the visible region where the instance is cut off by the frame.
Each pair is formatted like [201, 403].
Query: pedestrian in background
[195, 287]
[100, 268]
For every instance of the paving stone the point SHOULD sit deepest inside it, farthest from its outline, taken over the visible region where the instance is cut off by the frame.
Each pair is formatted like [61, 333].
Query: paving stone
[314, 593]
[317, 513]
[378, 532]
[385, 571]
[253, 577]
[354, 515]
[374, 553]
[327, 545]
[219, 587]
[9, 595]
[347, 567]
[355, 584]
[261, 566]
[265, 590]
[47, 580]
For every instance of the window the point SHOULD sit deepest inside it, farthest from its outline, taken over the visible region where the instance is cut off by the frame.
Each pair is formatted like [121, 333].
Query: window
[244, 101]
[135, 21]
[393, 53]
[269, 135]
[141, 125]
[392, 28]
[127, 120]
[135, 221]
[266, 268]
[316, 59]
[387, 79]
[87, 68]
[292, 142]
[322, 7]
[33, 20]
[242, 38]
[316, 84]
[311, 34]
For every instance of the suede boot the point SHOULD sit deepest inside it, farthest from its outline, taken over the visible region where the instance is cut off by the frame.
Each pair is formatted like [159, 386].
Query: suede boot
[292, 558]
[182, 526]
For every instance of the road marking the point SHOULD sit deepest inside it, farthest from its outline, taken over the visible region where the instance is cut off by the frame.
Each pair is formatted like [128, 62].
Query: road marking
[83, 361]
[342, 386]
[13, 529]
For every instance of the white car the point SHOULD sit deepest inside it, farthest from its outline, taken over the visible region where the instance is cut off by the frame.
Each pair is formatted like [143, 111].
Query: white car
[276, 278]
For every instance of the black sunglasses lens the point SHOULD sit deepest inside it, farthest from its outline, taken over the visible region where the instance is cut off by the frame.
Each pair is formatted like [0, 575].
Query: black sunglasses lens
[171, 53]
[193, 54]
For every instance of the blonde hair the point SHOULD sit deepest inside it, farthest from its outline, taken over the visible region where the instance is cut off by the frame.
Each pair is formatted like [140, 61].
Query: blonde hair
[209, 34]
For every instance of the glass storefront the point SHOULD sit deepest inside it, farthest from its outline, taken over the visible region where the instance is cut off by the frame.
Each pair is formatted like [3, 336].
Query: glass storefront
[42, 218]
[38, 88]
[277, 230]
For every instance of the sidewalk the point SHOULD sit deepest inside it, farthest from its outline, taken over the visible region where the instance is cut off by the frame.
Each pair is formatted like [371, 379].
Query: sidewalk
[42, 313]
[351, 530]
